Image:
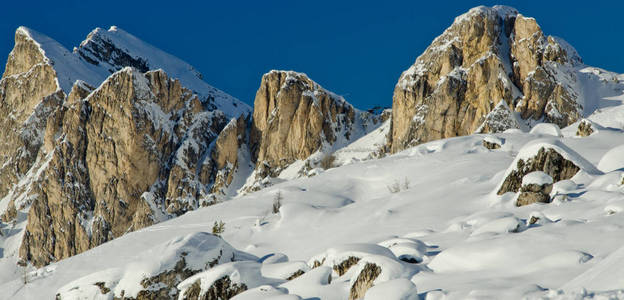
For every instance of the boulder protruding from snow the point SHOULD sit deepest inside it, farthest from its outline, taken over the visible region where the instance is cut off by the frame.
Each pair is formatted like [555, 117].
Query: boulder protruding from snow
[375, 269]
[342, 258]
[585, 128]
[158, 271]
[536, 187]
[492, 142]
[224, 281]
[549, 156]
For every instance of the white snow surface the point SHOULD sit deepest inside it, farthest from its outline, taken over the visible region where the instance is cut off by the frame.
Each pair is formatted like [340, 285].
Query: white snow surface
[467, 242]
[546, 129]
[537, 177]
[612, 160]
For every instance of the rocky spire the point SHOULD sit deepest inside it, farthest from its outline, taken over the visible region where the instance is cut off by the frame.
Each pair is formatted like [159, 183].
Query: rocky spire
[486, 56]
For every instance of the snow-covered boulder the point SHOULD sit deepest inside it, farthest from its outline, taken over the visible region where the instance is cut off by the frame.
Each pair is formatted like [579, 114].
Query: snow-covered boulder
[492, 142]
[549, 156]
[585, 128]
[536, 187]
[157, 274]
[284, 270]
[406, 249]
[401, 288]
[546, 129]
[343, 257]
[224, 281]
[612, 160]
[500, 226]
[375, 269]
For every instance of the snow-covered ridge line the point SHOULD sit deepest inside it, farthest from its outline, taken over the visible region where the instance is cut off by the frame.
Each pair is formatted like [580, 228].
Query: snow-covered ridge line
[73, 66]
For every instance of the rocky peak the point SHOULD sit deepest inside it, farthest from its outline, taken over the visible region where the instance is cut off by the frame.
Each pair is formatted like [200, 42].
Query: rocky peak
[80, 134]
[113, 49]
[293, 116]
[121, 157]
[488, 55]
[26, 54]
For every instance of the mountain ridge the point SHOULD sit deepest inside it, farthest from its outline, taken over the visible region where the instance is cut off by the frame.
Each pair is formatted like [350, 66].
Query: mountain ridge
[143, 145]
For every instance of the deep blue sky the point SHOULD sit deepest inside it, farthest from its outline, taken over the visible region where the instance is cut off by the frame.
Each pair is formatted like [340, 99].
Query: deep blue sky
[357, 49]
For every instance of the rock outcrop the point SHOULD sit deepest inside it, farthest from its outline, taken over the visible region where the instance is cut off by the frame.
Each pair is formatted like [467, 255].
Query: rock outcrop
[294, 117]
[546, 160]
[492, 142]
[364, 281]
[585, 128]
[90, 164]
[488, 55]
[29, 92]
[175, 261]
[536, 187]
[119, 160]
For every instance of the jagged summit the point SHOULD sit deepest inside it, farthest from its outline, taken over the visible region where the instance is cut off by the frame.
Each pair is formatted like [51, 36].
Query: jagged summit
[488, 55]
[115, 48]
[67, 66]
[104, 52]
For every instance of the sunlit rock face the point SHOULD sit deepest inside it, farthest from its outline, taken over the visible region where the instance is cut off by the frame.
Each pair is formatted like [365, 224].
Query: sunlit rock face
[486, 56]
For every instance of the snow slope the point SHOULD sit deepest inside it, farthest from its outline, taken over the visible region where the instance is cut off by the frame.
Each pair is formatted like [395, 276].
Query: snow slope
[469, 242]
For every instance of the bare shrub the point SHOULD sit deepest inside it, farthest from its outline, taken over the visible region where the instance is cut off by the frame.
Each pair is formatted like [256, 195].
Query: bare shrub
[327, 162]
[394, 187]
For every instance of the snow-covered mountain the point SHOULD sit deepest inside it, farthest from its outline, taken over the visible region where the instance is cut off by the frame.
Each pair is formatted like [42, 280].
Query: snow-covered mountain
[497, 174]
[489, 55]
[119, 135]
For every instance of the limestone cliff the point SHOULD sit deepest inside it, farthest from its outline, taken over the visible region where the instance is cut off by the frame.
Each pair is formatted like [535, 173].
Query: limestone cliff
[84, 162]
[486, 56]
[294, 118]
[119, 159]
[29, 91]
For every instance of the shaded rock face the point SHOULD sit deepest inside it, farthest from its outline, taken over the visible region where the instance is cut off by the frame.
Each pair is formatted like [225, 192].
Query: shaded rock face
[117, 160]
[364, 281]
[488, 55]
[97, 48]
[547, 160]
[499, 119]
[225, 155]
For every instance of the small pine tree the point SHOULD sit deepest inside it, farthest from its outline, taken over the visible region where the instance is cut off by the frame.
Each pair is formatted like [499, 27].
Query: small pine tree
[406, 184]
[218, 228]
[277, 202]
